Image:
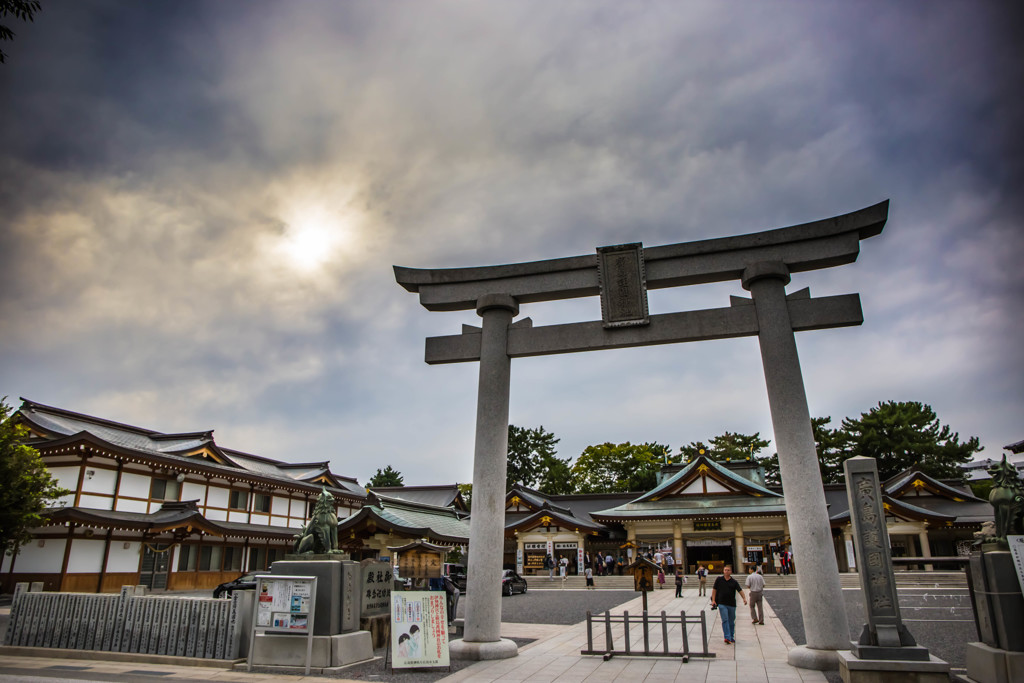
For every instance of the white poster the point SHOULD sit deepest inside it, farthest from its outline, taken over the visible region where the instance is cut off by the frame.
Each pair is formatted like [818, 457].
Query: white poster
[419, 629]
[283, 604]
[851, 560]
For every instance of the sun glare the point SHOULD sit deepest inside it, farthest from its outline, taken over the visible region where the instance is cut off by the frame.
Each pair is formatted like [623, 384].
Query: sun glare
[312, 236]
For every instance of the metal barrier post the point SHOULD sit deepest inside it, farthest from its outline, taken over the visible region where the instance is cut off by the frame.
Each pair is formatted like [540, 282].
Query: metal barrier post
[590, 633]
[647, 644]
[608, 631]
[686, 638]
[704, 631]
[664, 633]
[625, 621]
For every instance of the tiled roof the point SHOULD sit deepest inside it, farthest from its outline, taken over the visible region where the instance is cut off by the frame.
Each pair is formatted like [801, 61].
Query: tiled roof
[722, 471]
[58, 424]
[411, 519]
[439, 496]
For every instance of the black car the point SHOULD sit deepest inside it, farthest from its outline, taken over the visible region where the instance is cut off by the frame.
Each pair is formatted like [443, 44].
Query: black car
[512, 582]
[245, 582]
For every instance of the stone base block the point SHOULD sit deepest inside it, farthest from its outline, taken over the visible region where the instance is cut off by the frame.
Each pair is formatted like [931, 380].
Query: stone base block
[805, 657]
[909, 653]
[854, 670]
[379, 628]
[987, 664]
[271, 649]
[496, 649]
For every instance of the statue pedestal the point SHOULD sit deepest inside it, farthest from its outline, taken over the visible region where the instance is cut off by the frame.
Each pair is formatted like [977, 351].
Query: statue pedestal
[856, 670]
[337, 602]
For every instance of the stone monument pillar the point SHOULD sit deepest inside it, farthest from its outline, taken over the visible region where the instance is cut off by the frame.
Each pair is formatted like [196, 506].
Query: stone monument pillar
[740, 551]
[482, 639]
[818, 578]
[885, 650]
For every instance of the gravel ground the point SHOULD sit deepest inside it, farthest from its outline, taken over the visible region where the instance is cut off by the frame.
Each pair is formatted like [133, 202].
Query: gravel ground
[940, 619]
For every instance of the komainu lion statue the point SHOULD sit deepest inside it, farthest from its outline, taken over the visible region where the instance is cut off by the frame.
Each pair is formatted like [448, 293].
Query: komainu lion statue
[321, 534]
[1007, 497]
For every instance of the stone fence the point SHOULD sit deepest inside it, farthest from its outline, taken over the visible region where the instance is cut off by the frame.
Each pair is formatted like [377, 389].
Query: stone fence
[145, 624]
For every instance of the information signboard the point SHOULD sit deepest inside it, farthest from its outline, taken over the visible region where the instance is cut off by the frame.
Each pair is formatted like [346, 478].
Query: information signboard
[419, 629]
[284, 604]
[1017, 552]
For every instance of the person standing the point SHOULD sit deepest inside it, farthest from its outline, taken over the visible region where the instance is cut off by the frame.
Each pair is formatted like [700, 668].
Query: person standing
[661, 578]
[563, 566]
[549, 564]
[702, 578]
[670, 564]
[590, 578]
[609, 564]
[723, 596]
[755, 584]
[679, 582]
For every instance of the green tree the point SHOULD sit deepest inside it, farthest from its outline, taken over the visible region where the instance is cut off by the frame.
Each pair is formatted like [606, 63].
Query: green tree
[728, 446]
[467, 494]
[905, 434]
[533, 461]
[386, 477]
[27, 490]
[23, 10]
[828, 443]
[612, 467]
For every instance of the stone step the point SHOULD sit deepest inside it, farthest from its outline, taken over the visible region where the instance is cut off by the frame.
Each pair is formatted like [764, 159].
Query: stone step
[903, 579]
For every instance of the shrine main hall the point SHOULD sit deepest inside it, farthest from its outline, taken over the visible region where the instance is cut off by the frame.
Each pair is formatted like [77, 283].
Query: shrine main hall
[718, 513]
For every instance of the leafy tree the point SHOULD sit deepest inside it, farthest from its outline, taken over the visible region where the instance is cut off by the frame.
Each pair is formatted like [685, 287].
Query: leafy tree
[735, 446]
[23, 10]
[904, 434]
[386, 477]
[612, 467]
[27, 488]
[467, 494]
[533, 461]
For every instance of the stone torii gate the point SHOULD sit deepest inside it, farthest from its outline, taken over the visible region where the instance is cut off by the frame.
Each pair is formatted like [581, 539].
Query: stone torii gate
[621, 275]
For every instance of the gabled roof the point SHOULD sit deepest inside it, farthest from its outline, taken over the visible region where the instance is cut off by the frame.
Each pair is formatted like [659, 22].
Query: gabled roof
[915, 480]
[405, 518]
[57, 428]
[704, 468]
[551, 517]
[902, 509]
[442, 495]
[534, 500]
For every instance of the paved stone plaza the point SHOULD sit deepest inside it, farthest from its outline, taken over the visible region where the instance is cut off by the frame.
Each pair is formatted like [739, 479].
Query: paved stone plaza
[759, 655]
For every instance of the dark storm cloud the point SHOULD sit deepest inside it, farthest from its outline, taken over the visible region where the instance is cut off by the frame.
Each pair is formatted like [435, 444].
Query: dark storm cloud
[202, 202]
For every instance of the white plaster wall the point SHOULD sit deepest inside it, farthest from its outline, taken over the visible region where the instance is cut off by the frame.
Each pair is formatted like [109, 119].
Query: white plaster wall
[193, 491]
[47, 559]
[95, 502]
[296, 523]
[219, 515]
[260, 519]
[238, 516]
[5, 562]
[279, 506]
[132, 505]
[102, 481]
[67, 477]
[124, 560]
[136, 485]
[218, 497]
[86, 556]
[298, 508]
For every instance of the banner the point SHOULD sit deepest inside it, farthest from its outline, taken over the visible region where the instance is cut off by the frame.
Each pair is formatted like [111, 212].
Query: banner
[419, 629]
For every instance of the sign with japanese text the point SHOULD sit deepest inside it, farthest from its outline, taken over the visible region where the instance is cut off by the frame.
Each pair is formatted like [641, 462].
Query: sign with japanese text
[1017, 552]
[375, 589]
[283, 604]
[419, 629]
[867, 516]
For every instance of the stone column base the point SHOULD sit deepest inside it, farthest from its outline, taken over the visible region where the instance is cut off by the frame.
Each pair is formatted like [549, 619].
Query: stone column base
[495, 649]
[855, 670]
[271, 649]
[805, 657]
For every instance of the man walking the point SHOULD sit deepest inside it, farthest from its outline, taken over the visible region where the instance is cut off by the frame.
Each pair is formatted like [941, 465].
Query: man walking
[755, 584]
[702, 578]
[679, 582]
[723, 596]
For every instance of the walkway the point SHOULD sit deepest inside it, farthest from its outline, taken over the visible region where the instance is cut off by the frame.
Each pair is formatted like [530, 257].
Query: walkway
[758, 656]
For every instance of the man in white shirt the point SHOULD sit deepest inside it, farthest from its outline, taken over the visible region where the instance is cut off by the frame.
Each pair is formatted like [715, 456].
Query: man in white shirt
[755, 584]
[658, 558]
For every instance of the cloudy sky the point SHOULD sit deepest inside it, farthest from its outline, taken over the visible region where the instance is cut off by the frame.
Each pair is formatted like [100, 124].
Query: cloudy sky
[200, 205]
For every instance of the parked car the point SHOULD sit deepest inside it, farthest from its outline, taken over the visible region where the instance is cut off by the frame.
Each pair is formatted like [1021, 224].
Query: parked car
[512, 582]
[245, 582]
